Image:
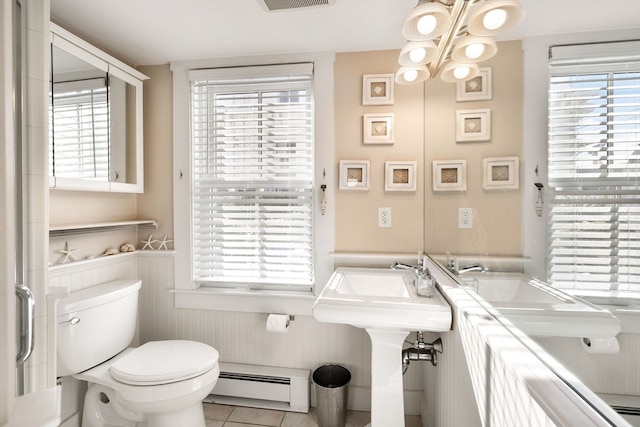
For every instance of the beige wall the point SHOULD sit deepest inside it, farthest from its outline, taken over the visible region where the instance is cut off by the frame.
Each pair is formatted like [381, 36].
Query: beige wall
[157, 200]
[497, 221]
[424, 131]
[357, 211]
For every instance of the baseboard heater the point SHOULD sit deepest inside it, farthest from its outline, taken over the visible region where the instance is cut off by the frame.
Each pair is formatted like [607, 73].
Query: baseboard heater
[624, 405]
[262, 387]
[627, 410]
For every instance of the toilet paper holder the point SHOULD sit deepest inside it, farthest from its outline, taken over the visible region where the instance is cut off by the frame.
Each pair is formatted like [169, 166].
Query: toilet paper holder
[279, 322]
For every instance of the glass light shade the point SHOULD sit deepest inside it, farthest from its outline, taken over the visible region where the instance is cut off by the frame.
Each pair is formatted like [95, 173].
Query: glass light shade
[474, 49]
[494, 19]
[454, 72]
[486, 19]
[426, 22]
[418, 53]
[407, 75]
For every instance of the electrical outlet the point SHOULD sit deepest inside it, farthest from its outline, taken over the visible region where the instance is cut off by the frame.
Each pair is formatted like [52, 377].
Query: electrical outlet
[465, 217]
[384, 217]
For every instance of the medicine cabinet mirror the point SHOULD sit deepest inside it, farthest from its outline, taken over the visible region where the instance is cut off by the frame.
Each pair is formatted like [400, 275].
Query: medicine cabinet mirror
[95, 119]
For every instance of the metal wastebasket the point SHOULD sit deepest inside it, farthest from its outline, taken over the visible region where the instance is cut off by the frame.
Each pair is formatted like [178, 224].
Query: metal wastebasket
[331, 383]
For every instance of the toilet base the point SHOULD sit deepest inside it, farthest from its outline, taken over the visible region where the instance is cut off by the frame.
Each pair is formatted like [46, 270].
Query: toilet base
[101, 409]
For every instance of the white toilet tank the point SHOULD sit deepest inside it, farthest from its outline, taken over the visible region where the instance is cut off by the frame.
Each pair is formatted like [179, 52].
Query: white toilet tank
[95, 324]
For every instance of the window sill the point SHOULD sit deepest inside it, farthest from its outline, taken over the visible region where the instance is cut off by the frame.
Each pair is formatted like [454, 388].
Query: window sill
[625, 305]
[283, 302]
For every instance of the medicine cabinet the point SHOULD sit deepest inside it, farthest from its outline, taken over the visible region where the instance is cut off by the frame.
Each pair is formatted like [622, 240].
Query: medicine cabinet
[95, 118]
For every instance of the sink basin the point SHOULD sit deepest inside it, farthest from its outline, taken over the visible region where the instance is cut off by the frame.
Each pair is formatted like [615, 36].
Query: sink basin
[378, 297]
[377, 285]
[539, 309]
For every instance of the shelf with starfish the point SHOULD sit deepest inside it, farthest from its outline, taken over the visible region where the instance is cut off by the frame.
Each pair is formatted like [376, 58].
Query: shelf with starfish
[83, 228]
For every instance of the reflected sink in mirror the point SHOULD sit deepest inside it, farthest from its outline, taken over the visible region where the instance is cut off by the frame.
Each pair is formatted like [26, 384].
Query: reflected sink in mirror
[380, 298]
[539, 309]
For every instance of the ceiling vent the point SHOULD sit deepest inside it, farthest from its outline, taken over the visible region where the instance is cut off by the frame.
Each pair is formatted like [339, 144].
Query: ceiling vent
[273, 5]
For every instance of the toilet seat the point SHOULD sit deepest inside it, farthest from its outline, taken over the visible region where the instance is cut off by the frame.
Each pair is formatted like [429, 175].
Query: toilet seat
[164, 362]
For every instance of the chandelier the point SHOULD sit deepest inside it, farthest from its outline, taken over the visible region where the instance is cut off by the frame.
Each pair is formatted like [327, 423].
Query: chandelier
[451, 36]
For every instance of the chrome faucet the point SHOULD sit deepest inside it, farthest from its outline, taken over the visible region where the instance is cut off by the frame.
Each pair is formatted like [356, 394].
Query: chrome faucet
[401, 266]
[425, 284]
[471, 267]
[453, 266]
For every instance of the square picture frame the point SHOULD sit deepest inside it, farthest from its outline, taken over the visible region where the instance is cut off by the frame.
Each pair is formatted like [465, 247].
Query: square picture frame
[377, 89]
[473, 125]
[355, 175]
[477, 88]
[378, 128]
[400, 175]
[449, 175]
[500, 173]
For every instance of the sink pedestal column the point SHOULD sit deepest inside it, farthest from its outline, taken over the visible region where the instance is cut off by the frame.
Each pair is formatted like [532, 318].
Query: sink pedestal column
[387, 399]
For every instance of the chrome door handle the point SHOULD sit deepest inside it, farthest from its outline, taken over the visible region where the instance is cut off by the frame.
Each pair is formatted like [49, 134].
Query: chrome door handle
[72, 321]
[27, 303]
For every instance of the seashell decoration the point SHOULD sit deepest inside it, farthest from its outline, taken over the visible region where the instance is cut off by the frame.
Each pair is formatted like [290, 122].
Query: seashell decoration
[110, 251]
[127, 247]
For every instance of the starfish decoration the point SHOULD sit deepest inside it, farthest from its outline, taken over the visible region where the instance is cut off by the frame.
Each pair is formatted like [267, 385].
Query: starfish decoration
[148, 243]
[163, 243]
[68, 253]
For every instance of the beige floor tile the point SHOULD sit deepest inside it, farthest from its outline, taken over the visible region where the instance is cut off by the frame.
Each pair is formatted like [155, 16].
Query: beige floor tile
[358, 418]
[214, 423]
[412, 421]
[232, 424]
[213, 411]
[263, 417]
[296, 419]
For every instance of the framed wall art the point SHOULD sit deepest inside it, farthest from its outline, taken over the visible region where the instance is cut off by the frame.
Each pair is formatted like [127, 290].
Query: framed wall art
[449, 175]
[400, 176]
[355, 175]
[377, 89]
[378, 128]
[500, 173]
[473, 125]
[477, 88]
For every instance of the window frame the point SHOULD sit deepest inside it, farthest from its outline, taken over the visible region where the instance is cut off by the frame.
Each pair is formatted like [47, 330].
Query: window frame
[534, 137]
[574, 67]
[188, 294]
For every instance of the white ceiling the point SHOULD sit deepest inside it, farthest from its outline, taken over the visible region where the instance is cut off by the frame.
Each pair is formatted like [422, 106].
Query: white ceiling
[144, 32]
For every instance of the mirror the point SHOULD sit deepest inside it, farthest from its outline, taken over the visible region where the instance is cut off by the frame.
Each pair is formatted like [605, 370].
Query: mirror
[95, 137]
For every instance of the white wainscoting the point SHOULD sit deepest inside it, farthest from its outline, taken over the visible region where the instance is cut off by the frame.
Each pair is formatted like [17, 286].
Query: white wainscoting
[242, 337]
[603, 373]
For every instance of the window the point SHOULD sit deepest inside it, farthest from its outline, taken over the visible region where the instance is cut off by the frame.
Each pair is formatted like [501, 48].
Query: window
[80, 113]
[594, 167]
[246, 267]
[252, 175]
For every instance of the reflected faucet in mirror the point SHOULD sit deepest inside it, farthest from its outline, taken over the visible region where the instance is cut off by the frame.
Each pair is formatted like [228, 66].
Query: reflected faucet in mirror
[453, 266]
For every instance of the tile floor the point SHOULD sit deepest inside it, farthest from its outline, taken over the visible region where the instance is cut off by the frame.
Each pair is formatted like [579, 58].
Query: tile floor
[238, 416]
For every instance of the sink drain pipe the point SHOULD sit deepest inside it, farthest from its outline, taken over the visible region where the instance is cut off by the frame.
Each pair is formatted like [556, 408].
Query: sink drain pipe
[421, 351]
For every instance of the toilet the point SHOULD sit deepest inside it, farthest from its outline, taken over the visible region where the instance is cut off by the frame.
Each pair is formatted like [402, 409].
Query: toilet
[159, 384]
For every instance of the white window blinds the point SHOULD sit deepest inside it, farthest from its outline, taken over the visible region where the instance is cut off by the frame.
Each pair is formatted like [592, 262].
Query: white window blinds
[79, 142]
[252, 176]
[594, 167]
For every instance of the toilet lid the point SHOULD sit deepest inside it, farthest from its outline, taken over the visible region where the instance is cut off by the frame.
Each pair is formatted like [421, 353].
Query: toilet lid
[162, 362]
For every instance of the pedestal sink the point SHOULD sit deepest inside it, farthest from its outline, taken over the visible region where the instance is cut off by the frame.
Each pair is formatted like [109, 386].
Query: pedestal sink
[385, 303]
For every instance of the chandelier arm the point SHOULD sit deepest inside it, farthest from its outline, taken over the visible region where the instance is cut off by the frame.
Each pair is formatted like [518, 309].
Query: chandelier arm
[445, 45]
[446, 3]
